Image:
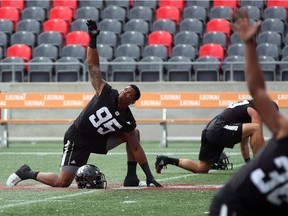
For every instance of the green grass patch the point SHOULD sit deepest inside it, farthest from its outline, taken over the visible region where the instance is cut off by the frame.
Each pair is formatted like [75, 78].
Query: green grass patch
[49, 201]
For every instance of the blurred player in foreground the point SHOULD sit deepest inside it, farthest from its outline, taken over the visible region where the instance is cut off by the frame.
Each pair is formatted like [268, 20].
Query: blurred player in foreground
[261, 186]
[104, 123]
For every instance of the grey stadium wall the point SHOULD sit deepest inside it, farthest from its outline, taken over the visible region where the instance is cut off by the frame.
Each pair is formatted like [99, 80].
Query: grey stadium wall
[149, 132]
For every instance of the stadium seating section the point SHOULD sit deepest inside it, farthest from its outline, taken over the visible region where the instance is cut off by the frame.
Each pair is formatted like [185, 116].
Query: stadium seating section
[184, 34]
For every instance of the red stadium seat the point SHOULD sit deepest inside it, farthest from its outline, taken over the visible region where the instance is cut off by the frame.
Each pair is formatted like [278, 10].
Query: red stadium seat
[228, 3]
[64, 3]
[10, 13]
[279, 3]
[161, 37]
[13, 3]
[168, 12]
[19, 50]
[57, 25]
[219, 25]
[179, 3]
[78, 37]
[64, 13]
[212, 49]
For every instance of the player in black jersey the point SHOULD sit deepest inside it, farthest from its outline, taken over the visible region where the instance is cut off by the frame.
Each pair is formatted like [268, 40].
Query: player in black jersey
[238, 123]
[104, 123]
[261, 186]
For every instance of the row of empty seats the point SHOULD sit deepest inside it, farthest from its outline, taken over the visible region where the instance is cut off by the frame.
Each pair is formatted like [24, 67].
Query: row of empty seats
[149, 68]
[21, 4]
[266, 35]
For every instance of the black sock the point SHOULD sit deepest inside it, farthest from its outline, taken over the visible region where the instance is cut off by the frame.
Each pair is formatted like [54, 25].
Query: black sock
[34, 175]
[131, 169]
[247, 160]
[27, 175]
[173, 161]
[146, 169]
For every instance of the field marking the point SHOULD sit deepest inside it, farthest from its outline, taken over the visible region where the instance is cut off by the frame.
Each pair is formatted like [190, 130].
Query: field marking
[192, 174]
[49, 199]
[111, 153]
[166, 187]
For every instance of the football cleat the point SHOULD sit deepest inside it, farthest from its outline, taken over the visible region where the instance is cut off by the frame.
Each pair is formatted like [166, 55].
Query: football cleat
[161, 162]
[20, 175]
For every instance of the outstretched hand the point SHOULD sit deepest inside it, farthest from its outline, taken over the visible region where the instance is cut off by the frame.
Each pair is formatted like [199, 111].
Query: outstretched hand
[152, 182]
[92, 28]
[246, 30]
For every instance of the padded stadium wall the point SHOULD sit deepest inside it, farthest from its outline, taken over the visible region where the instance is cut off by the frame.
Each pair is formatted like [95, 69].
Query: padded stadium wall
[149, 132]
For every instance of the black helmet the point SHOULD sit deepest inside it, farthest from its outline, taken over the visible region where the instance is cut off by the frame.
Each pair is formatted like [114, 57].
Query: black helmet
[223, 163]
[89, 176]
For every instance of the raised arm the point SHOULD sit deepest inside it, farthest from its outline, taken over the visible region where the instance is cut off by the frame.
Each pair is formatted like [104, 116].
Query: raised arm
[93, 58]
[254, 75]
[245, 149]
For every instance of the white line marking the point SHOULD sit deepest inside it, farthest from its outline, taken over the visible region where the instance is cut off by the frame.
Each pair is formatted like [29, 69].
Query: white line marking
[49, 199]
[110, 153]
[191, 174]
[129, 202]
[93, 191]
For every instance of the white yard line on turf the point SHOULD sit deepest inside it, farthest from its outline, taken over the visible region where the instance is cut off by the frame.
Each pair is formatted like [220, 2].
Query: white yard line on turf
[93, 191]
[48, 199]
[110, 153]
[188, 175]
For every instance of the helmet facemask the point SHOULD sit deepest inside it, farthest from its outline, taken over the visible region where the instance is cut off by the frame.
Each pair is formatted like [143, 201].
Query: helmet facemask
[89, 176]
[223, 163]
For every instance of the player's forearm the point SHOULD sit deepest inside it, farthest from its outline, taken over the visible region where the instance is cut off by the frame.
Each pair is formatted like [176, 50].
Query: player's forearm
[94, 69]
[253, 74]
[92, 57]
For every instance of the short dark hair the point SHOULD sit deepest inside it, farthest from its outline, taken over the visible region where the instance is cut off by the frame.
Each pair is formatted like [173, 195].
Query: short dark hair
[137, 91]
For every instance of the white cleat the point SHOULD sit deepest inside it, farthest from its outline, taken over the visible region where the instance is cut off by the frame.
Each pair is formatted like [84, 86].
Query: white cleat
[142, 184]
[19, 175]
[13, 180]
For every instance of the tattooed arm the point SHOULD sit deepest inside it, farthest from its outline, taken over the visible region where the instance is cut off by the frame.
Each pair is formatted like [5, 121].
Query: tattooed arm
[93, 58]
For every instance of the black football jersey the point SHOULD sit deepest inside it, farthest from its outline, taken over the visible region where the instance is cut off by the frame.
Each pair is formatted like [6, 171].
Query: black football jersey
[101, 116]
[237, 112]
[262, 184]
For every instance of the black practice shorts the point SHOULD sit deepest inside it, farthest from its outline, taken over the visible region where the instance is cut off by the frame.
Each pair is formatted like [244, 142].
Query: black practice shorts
[78, 147]
[216, 136]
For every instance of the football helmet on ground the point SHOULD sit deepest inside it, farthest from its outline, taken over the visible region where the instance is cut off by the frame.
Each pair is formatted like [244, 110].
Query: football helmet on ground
[89, 176]
[223, 163]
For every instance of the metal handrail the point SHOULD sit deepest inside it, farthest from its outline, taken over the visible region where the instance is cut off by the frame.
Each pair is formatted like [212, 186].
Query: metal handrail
[161, 65]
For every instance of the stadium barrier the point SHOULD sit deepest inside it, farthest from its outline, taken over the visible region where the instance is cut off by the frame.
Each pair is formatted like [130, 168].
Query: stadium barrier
[162, 66]
[149, 100]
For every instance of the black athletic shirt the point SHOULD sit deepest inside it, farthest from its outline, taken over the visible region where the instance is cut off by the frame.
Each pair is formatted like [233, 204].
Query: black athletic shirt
[101, 116]
[237, 112]
[262, 184]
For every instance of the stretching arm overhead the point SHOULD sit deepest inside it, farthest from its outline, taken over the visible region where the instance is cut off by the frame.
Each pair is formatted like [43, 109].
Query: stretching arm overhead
[93, 58]
[254, 75]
